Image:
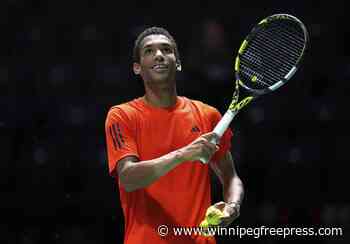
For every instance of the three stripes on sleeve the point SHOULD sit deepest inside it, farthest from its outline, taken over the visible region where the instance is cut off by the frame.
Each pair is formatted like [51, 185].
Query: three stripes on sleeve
[117, 136]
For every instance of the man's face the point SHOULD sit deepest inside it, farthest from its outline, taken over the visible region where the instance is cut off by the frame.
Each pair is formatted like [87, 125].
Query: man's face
[157, 59]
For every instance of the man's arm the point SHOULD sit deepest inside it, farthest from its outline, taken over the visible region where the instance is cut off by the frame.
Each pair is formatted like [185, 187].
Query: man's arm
[233, 189]
[135, 174]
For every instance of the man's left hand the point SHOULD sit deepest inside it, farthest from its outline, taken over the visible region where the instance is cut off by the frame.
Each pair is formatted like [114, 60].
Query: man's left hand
[230, 211]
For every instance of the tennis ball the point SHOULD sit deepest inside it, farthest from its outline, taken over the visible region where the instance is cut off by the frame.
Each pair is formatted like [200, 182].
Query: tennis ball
[204, 224]
[213, 216]
[205, 231]
[254, 78]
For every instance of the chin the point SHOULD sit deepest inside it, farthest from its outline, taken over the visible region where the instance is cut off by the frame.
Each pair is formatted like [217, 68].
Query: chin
[162, 78]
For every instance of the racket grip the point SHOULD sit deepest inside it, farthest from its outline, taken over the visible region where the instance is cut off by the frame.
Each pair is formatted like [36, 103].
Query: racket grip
[220, 129]
[224, 123]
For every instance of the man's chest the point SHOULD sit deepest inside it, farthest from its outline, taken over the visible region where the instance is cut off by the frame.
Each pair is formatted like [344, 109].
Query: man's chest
[163, 134]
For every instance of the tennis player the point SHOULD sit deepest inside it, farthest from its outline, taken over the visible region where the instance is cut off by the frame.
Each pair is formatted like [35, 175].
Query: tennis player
[154, 144]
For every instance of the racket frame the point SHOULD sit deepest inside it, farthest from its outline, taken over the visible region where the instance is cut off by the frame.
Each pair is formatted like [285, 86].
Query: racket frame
[236, 105]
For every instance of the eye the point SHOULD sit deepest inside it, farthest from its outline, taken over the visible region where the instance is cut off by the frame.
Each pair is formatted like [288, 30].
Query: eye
[167, 50]
[147, 51]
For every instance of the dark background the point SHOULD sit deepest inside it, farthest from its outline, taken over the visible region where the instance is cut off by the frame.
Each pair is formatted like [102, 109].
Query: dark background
[63, 64]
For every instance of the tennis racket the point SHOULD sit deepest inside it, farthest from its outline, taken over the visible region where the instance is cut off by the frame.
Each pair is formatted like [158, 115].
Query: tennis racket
[267, 58]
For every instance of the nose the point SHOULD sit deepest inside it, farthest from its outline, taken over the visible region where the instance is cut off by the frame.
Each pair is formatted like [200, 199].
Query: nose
[159, 55]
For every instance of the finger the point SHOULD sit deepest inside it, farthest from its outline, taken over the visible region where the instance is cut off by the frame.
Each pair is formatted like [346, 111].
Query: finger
[213, 147]
[228, 219]
[208, 148]
[203, 140]
[211, 137]
[207, 154]
[226, 222]
[207, 135]
[220, 205]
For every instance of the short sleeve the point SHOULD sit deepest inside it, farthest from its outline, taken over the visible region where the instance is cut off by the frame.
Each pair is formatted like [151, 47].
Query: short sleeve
[225, 141]
[120, 138]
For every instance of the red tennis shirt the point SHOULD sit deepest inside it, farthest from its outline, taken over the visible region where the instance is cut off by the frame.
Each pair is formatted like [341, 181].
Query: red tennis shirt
[179, 198]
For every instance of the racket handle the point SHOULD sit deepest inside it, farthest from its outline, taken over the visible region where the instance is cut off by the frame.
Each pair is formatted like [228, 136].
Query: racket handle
[224, 123]
[220, 129]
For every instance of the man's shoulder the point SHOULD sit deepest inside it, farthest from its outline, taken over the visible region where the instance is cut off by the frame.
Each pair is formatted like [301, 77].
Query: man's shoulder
[127, 110]
[127, 107]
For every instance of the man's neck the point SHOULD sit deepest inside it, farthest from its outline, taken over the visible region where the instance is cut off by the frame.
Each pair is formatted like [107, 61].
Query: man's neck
[161, 97]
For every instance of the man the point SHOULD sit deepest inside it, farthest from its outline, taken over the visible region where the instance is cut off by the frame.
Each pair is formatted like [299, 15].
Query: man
[154, 144]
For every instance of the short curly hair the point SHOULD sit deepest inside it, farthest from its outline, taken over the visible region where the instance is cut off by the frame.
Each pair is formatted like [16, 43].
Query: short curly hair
[153, 31]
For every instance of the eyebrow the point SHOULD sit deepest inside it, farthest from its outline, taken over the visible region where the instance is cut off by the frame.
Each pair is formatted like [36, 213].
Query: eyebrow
[162, 44]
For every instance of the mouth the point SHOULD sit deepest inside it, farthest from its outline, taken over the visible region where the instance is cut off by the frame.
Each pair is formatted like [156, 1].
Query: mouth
[160, 67]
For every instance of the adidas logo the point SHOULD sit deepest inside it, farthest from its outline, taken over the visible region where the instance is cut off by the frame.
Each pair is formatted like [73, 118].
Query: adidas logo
[195, 129]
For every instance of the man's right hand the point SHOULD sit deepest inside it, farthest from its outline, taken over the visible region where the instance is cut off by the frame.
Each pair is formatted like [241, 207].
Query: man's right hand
[202, 147]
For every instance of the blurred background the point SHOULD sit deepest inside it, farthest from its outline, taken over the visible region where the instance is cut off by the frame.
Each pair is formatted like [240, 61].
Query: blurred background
[63, 64]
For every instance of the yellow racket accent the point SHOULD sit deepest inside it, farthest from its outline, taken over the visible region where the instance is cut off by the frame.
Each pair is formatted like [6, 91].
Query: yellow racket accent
[237, 64]
[237, 106]
[263, 21]
[243, 46]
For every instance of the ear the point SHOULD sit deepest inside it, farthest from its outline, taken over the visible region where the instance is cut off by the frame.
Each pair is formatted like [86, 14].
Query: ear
[137, 68]
[178, 67]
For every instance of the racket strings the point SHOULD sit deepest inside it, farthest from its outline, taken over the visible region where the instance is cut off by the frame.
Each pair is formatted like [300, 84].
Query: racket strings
[280, 48]
[250, 70]
[281, 57]
[269, 74]
[298, 36]
[269, 61]
[286, 30]
[271, 53]
[285, 44]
